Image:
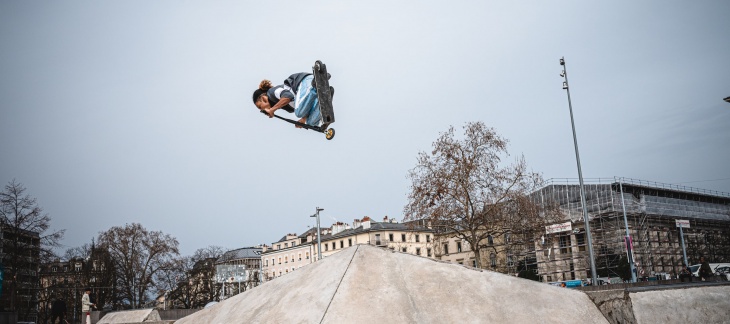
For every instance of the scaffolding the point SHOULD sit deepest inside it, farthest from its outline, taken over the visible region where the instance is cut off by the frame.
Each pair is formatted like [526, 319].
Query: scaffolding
[651, 211]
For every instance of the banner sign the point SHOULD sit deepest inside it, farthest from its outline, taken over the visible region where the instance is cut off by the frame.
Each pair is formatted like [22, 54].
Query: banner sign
[684, 223]
[557, 228]
[230, 273]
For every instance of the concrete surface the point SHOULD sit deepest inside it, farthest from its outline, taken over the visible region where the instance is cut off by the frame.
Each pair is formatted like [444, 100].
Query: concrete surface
[369, 284]
[690, 305]
[614, 304]
[130, 316]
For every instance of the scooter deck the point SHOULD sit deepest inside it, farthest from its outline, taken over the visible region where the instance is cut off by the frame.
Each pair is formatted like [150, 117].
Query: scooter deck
[324, 93]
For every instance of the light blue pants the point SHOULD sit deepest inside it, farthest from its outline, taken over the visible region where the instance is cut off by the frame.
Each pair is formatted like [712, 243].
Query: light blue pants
[306, 103]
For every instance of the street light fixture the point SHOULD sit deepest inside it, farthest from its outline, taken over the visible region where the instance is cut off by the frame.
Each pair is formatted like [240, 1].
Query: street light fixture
[594, 277]
[319, 241]
[727, 99]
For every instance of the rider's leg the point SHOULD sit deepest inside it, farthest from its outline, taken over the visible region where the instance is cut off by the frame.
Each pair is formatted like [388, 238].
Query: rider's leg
[307, 103]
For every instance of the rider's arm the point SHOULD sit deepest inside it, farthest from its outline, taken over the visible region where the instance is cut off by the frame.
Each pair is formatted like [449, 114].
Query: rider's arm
[283, 102]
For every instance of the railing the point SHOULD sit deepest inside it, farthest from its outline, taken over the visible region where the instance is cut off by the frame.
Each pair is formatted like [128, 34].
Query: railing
[637, 182]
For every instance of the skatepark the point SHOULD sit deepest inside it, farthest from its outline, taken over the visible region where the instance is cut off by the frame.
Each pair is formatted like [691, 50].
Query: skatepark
[370, 284]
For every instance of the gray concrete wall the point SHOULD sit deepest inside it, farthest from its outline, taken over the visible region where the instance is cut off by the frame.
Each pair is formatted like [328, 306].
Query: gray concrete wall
[614, 304]
[684, 303]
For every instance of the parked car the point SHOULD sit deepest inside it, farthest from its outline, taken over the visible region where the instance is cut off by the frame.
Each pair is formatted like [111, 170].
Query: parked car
[723, 271]
[696, 268]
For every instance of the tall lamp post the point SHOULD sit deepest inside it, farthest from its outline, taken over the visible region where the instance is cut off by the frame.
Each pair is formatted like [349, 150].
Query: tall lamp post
[319, 241]
[594, 277]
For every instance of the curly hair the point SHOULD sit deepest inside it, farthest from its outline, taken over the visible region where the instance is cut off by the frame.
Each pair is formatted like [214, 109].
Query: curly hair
[264, 86]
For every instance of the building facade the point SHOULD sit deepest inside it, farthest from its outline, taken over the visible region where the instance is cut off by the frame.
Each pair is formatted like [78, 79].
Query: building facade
[651, 211]
[289, 253]
[293, 251]
[239, 270]
[20, 260]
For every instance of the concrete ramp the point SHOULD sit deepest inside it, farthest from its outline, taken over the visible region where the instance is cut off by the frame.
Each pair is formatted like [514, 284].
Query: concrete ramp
[131, 316]
[369, 284]
[691, 305]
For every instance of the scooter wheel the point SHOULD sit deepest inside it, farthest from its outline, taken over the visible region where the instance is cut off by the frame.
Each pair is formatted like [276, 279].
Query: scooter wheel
[329, 133]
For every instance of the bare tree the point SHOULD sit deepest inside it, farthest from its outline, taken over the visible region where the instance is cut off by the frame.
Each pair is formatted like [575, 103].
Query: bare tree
[190, 280]
[25, 241]
[138, 255]
[466, 189]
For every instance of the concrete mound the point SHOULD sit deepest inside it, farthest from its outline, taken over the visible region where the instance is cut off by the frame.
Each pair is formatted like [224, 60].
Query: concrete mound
[692, 305]
[131, 316]
[369, 284]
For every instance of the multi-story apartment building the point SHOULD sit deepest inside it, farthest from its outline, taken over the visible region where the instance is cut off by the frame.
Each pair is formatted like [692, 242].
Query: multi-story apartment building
[409, 237]
[293, 251]
[499, 253]
[651, 210]
[20, 257]
[289, 253]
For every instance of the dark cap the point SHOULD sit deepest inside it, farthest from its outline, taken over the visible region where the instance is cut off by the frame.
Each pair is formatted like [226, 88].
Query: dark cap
[257, 94]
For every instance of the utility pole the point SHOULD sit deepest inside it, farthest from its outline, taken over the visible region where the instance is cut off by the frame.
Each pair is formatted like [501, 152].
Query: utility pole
[319, 240]
[629, 243]
[594, 276]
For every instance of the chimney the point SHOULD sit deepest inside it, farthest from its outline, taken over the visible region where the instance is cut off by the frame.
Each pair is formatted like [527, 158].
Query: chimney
[337, 227]
[356, 223]
[366, 222]
[385, 219]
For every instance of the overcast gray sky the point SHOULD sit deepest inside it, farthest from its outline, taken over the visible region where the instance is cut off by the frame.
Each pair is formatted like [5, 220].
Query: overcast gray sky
[114, 112]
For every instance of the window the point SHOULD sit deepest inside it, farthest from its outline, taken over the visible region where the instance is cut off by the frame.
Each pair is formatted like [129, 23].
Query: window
[349, 242]
[293, 243]
[402, 237]
[490, 240]
[286, 245]
[580, 240]
[418, 251]
[300, 257]
[278, 246]
[390, 237]
[428, 252]
[474, 263]
[404, 250]
[418, 238]
[273, 262]
[266, 263]
[377, 239]
[286, 259]
[54, 269]
[326, 247]
[507, 237]
[342, 244]
[428, 238]
[446, 248]
[493, 260]
[564, 244]
[510, 260]
[334, 245]
[458, 247]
